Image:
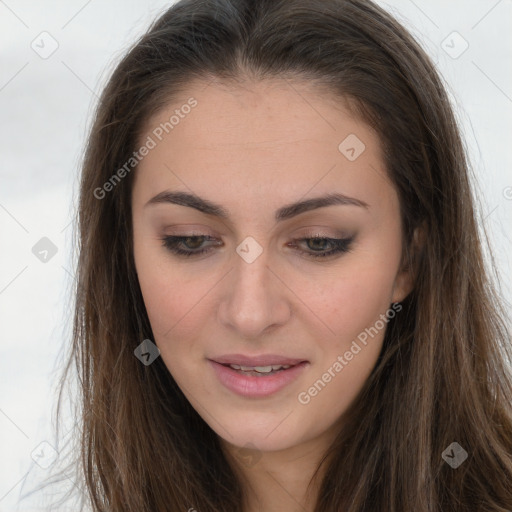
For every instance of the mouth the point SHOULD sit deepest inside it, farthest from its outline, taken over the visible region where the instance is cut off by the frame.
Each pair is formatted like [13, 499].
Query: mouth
[262, 360]
[259, 371]
[258, 376]
[258, 366]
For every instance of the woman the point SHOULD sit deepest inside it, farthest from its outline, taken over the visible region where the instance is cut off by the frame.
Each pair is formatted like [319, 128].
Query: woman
[282, 302]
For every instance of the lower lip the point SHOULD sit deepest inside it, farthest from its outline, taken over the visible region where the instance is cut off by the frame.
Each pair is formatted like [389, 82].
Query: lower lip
[256, 387]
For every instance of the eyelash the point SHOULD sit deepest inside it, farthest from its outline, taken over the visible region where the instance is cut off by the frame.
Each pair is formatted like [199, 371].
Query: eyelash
[341, 245]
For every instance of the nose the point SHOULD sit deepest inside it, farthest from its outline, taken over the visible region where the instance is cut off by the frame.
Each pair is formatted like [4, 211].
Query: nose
[255, 299]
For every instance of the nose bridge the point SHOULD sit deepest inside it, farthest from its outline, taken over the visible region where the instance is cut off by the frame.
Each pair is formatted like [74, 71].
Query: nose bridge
[251, 275]
[255, 299]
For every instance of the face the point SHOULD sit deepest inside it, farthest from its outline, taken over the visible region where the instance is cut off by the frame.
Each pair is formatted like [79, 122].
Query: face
[238, 275]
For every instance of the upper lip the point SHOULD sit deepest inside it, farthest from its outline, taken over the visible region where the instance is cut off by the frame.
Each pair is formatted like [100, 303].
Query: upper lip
[259, 360]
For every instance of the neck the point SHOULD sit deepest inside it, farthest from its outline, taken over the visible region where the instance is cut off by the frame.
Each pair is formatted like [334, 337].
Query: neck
[274, 481]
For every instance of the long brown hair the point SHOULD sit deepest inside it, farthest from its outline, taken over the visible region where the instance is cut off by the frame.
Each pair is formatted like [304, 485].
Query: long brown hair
[442, 376]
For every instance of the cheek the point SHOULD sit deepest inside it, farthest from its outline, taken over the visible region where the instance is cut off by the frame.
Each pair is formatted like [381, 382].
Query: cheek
[357, 303]
[157, 281]
[351, 299]
[171, 302]
[176, 303]
[355, 310]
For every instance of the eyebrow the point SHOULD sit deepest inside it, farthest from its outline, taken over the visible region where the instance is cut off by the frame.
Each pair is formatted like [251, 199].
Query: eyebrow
[286, 212]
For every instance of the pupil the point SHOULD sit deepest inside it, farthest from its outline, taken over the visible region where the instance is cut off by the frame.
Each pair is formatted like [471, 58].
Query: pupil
[318, 243]
[196, 238]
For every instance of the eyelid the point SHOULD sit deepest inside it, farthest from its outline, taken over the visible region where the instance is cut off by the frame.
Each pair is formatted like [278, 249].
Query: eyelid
[312, 233]
[340, 246]
[320, 233]
[186, 231]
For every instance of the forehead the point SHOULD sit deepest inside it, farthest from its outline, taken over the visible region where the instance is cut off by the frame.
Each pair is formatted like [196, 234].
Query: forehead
[258, 140]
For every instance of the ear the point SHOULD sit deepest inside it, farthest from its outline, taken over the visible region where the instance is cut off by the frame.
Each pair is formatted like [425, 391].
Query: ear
[406, 276]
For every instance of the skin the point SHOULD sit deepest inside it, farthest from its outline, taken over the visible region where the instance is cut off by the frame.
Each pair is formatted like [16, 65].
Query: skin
[253, 147]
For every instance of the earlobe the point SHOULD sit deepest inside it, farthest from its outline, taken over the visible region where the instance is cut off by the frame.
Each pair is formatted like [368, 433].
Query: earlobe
[404, 284]
[406, 277]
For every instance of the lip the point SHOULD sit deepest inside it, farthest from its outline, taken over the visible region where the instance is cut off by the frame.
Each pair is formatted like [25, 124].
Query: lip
[257, 387]
[260, 360]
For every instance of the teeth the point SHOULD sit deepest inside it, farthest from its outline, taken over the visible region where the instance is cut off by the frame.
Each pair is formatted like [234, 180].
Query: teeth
[260, 369]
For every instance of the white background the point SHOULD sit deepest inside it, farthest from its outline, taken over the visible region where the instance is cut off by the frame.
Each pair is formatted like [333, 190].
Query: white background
[46, 107]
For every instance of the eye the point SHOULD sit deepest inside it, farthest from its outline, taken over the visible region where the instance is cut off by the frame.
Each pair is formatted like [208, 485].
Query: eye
[187, 246]
[191, 243]
[316, 245]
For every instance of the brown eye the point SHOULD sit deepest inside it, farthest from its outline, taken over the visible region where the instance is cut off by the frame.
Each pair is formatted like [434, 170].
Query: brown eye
[316, 246]
[191, 244]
